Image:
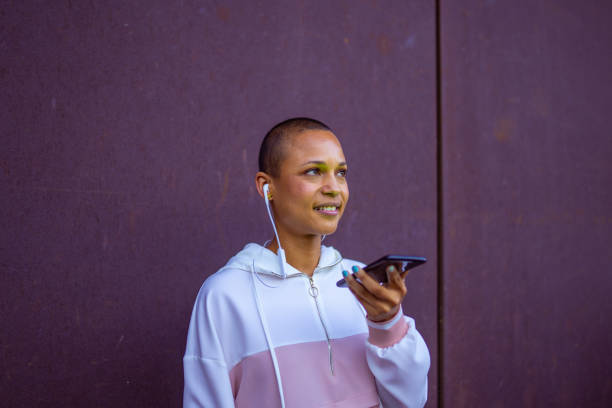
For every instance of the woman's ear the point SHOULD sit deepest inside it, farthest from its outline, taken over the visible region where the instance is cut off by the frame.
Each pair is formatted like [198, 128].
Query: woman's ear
[261, 179]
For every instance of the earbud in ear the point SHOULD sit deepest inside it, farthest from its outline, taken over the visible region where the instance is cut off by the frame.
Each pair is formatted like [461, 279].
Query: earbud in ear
[266, 191]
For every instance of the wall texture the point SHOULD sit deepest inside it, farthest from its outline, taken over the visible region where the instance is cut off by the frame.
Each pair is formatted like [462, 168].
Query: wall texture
[130, 132]
[527, 203]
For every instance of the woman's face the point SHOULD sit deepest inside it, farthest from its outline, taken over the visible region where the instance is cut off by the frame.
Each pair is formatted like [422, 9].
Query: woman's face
[311, 192]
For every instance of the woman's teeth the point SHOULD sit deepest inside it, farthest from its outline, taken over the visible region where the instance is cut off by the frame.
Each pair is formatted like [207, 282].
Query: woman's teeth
[327, 208]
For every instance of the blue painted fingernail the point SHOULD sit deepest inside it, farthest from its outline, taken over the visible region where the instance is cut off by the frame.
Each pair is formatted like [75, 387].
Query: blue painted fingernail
[345, 273]
[355, 268]
[391, 268]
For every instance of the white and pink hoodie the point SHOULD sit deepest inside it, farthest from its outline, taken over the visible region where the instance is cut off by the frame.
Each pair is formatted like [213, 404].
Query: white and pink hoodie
[258, 338]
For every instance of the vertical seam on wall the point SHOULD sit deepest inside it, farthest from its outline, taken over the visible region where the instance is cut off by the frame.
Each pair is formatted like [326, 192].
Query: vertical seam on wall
[439, 203]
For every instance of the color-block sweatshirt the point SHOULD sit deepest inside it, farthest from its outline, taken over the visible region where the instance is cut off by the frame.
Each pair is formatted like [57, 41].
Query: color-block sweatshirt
[257, 339]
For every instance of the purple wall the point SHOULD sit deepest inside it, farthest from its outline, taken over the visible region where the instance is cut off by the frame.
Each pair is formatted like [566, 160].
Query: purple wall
[130, 133]
[527, 203]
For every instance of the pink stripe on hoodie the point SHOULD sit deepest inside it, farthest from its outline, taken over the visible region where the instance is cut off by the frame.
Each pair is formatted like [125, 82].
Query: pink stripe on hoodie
[386, 334]
[306, 376]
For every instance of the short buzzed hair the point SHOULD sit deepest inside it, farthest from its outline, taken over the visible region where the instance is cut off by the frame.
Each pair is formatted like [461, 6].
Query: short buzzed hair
[271, 150]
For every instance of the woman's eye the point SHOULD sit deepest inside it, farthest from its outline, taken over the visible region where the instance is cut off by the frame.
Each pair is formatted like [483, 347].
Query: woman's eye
[313, 172]
[342, 173]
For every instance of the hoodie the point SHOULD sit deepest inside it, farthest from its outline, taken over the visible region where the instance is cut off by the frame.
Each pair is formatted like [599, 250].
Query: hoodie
[260, 336]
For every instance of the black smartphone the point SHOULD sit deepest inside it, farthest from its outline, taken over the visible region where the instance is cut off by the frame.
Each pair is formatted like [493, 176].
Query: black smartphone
[378, 268]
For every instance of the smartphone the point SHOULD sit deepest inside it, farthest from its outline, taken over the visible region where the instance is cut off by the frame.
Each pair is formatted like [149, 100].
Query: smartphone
[378, 268]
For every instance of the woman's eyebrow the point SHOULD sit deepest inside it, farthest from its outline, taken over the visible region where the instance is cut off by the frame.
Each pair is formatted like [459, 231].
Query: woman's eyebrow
[321, 163]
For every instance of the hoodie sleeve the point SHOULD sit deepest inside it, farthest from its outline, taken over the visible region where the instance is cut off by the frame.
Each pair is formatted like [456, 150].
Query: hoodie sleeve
[207, 383]
[399, 360]
[207, 380]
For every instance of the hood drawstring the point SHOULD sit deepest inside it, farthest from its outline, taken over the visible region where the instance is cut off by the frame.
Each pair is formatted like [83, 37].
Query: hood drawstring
[257, 274]
[281, 251]
[264, 325]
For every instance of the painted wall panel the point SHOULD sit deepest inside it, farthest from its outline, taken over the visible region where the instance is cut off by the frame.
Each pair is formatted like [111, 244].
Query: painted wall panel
[130, 132]
[527, 203]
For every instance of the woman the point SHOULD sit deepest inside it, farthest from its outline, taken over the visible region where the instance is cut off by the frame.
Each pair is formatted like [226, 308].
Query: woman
[272, 329]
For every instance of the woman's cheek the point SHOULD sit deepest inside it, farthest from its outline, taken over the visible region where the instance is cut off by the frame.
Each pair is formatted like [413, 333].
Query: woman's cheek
[303, 190]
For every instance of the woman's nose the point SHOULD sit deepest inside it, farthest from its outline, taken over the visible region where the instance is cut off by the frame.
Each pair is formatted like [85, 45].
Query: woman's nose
[331, 186]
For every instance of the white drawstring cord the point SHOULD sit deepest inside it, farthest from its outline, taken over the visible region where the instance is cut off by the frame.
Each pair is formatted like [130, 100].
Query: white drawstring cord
[259, 277]
[264, 325]
[264, 283]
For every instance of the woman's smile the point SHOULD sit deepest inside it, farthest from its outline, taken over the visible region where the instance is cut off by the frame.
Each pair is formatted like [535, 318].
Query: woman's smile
[328, 209]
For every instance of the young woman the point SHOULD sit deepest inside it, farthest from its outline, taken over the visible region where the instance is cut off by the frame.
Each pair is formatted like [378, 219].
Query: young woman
[272, 329]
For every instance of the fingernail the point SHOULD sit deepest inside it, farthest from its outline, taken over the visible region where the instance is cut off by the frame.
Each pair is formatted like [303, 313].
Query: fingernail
[355, 268]
[391, 268]
[345, 273]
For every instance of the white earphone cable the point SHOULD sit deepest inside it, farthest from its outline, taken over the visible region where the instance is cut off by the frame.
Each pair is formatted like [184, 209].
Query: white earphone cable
[281, 251]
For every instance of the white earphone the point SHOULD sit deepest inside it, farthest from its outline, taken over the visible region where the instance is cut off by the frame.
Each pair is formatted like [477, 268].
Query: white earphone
[281, 251]
[266, 191]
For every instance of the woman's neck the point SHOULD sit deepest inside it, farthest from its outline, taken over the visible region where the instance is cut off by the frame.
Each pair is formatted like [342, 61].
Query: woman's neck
[301, 252]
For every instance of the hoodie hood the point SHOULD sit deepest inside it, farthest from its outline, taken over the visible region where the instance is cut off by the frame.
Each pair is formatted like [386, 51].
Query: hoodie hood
[263, 261]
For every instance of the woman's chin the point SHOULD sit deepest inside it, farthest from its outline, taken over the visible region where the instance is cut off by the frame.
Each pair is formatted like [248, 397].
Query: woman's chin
[328, 229]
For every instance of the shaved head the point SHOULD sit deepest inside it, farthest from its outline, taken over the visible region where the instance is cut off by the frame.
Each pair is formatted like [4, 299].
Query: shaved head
[271, 152]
